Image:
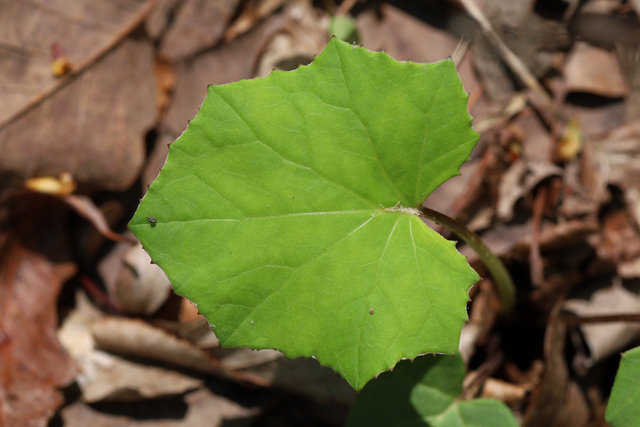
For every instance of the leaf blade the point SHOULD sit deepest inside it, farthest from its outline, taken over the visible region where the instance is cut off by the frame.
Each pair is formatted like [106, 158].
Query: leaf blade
[277, 211]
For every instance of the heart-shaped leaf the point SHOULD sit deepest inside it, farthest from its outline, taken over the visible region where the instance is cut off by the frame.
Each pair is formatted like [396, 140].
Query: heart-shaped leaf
[286, 211]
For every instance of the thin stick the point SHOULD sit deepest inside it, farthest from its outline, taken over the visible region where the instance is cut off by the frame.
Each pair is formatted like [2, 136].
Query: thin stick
[83, 66]
[604, 318]
[460, 51]
[504, 284]
[535, 259]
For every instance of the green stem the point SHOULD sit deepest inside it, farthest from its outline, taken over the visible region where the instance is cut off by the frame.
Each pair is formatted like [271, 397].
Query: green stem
[501, 278]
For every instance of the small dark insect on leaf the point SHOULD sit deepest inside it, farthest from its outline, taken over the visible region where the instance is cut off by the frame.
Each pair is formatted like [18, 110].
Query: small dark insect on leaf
[151, 219]
[371, 311]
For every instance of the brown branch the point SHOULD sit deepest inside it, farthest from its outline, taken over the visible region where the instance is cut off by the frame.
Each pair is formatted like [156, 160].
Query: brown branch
[571, 320]
[535, 260]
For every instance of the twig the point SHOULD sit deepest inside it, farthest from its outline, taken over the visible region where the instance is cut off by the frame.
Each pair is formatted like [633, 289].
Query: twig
[460, 51]
[516, 65]
[504, 284]
[535, 260]
[99, 295]
[82, 66]
[604, 318]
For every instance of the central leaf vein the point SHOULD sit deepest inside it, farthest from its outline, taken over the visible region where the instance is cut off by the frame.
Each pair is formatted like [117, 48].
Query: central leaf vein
[251, 218]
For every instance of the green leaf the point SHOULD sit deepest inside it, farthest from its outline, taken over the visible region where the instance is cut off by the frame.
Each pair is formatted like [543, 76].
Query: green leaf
[284, 211]
[478, 413]
[423, 393]
[624, 404]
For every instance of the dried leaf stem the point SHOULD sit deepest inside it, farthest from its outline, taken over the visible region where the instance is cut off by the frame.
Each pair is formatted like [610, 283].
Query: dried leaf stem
[501, 278]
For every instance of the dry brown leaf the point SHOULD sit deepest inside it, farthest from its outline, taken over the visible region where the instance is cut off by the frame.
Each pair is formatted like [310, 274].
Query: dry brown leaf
[34, 263]
[89, 122]
[28, 29]
[159, 18]
[594, 70]
[198, 25]
[229, 62]
[265, 367]
[618, 32]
